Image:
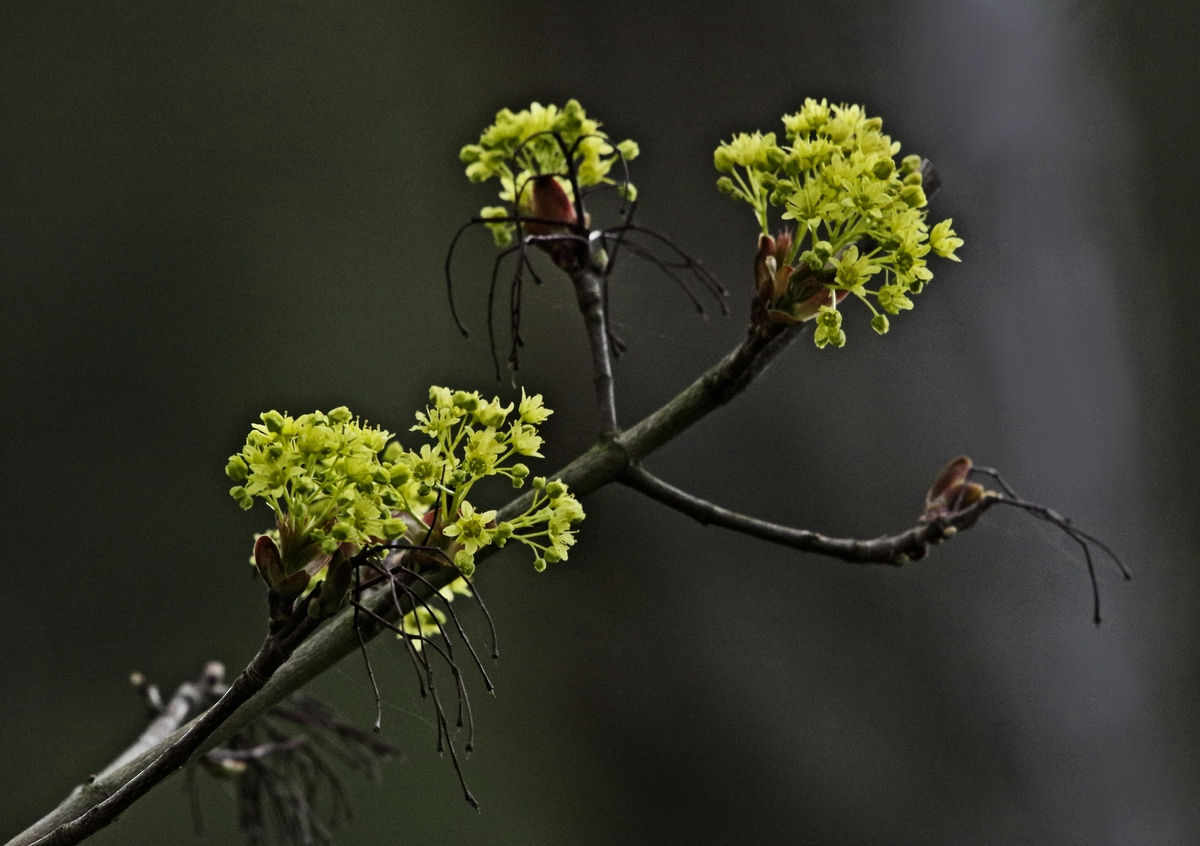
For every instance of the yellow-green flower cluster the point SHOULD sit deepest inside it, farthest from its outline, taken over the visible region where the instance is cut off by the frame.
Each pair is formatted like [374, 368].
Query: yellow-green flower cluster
[537, 141]
[858, 212]
[322, 476]
[474, 439]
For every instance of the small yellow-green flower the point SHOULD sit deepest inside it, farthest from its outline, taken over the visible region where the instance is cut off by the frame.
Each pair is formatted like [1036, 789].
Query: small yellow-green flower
[829, 327]
[471, 530]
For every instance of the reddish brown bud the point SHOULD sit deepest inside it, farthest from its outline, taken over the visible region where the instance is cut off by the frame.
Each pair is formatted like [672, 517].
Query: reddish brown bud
[951, 492]
[764, 273]
[268, 561]
[952, 475]
[548, 201]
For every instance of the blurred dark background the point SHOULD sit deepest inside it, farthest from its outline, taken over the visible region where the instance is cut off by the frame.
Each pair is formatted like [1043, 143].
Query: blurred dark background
[208, 210]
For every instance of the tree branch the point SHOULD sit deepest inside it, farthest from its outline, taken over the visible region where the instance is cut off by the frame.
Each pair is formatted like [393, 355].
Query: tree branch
[589, 291]
[189, 698]
[607, 461]
[898, 549]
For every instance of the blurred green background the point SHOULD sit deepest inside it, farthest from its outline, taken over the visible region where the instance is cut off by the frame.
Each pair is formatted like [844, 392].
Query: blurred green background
[208, 210]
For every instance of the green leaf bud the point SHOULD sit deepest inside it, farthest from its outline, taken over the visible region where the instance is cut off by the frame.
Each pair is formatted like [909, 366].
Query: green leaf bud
[880, 323]
[236, 469]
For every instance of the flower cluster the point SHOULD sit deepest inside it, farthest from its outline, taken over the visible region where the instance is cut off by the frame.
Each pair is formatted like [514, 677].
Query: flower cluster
[542, 141]
[474, 439]
[321, 475]
[333, 492]
[858, 214]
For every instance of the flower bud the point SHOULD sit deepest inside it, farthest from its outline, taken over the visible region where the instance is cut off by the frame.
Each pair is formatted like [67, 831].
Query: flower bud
[341, 531]
[913, 196]
[883, 168]
[909, 163]
[539, 564]
[236, 469]
[880, 323]
[341, 414]
[725, 185]
[465, 562]
[555, 489]
[398, 474]
[273, 420]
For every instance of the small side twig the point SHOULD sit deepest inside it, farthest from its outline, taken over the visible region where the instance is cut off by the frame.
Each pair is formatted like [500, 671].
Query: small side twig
[898, 549]
[190, 699]
[935, 525]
